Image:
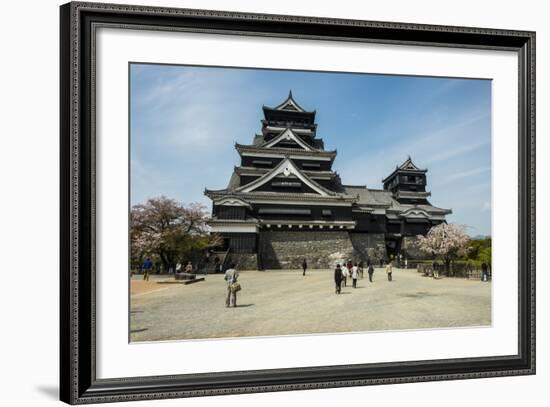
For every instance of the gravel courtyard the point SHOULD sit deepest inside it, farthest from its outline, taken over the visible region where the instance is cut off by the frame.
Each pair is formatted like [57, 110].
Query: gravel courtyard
[285, 302]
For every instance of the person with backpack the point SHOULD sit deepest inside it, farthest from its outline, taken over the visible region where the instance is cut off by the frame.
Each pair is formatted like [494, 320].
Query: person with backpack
[231, 276]
[338, 276]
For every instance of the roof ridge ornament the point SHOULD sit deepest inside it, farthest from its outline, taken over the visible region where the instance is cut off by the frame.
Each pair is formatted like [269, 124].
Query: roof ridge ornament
[408, 164]
[290, 102]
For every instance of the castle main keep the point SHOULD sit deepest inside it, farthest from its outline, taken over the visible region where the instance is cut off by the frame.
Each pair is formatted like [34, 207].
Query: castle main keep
[284, 202]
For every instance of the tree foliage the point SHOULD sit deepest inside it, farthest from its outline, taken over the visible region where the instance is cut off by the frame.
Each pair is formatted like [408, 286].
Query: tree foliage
[169, 232]
[444, 241]
[479, 251]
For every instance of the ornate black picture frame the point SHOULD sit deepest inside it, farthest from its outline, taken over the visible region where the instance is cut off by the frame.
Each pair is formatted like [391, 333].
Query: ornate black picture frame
[78, 382]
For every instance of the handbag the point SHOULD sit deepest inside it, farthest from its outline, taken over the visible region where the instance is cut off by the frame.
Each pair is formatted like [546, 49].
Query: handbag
[235, 287]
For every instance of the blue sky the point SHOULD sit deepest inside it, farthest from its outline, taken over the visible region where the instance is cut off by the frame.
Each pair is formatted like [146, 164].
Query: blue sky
[186, 120]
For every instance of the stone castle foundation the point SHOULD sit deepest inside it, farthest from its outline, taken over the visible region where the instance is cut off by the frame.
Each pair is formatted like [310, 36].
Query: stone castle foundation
[287, 249]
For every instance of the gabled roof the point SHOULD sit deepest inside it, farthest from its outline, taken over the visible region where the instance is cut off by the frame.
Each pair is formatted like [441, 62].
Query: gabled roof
[285, 135]
[405, 210]
[408, 166]
[286, 168]
[290, 104]
[290, 108]
[232, 201]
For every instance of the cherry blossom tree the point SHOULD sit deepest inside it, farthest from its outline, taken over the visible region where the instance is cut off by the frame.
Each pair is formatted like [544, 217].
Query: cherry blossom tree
[168, 231]
[444, 241]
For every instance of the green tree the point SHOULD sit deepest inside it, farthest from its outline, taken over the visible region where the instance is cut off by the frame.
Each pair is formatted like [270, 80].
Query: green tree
[479, 251]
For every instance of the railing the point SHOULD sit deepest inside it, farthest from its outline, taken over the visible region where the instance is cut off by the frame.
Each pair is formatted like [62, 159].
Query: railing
[457, 270]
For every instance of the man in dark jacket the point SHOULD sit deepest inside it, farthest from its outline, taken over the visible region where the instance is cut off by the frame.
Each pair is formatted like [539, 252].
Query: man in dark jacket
[370, 270]
[484, 272]
[304, 267]
[147, 267]
[338, 278]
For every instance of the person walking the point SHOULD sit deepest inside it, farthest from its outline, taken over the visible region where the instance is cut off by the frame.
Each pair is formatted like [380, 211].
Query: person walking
[361, 264]
[370, 270]
[231, 276]
[147, 266]
[338, 276]
[345, 275]
[435, 270]
[389, 270]
[354, 274]
[304, 267]
[484, 272]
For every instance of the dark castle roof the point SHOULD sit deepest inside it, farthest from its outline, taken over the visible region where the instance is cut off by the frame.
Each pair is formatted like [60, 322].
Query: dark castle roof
[250, 148]
[407, 166]
[282, 140]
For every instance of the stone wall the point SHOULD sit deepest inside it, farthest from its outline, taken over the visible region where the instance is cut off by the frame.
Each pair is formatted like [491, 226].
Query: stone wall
[409, 249]
[368, 246]
[287, 249]
[243, 261]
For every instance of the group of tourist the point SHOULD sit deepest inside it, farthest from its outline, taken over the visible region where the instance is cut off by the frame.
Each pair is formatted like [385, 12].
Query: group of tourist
[147, 268]
[342, 272]
[341, 275]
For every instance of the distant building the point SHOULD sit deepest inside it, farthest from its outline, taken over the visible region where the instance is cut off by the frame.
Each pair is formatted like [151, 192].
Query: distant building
[285, 203]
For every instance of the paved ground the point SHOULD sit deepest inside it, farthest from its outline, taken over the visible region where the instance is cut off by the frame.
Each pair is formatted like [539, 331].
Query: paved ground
[284, 302]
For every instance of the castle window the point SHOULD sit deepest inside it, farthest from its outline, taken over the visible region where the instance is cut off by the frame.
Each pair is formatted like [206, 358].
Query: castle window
[286, 184]
[284, 211]
[262, 163]
[311, 165]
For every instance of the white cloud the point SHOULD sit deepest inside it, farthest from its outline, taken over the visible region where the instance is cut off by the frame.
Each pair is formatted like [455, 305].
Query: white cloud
[456, 151]
[468, 173]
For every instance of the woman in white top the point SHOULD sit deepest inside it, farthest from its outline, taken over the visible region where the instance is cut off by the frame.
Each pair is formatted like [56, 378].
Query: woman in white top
[345, 274]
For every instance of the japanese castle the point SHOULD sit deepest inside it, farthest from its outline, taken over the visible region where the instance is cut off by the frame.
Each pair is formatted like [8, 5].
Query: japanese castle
[284, 202]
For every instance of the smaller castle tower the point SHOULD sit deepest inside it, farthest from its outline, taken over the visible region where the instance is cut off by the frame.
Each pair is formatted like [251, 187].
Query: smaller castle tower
[407, 183]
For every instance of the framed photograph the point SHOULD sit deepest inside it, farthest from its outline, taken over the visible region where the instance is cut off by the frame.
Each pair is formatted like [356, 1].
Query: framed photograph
[255, 203]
